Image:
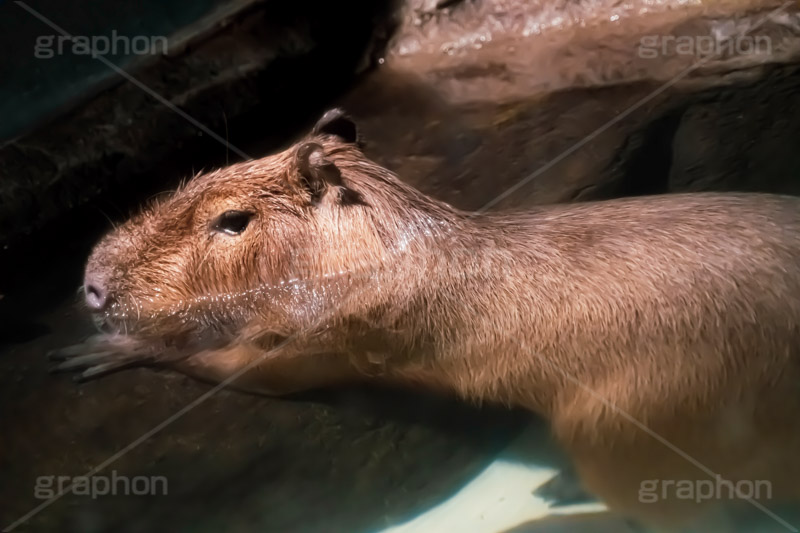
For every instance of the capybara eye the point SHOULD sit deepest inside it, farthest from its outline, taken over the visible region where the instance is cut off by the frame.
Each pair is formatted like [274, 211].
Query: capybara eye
[232, 222]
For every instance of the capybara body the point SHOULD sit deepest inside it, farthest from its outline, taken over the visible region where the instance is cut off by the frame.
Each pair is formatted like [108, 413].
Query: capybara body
[660, 336]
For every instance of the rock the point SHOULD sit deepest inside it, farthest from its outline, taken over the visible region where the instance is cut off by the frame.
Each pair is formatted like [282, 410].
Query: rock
[485, 104]
[493, 103]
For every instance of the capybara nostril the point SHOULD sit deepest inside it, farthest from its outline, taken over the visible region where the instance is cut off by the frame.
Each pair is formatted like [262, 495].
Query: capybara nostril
[95, 293]
[674, 316]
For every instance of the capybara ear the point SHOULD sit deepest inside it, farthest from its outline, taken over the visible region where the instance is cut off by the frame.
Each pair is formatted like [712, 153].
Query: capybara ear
[335, 122]
[316, 171]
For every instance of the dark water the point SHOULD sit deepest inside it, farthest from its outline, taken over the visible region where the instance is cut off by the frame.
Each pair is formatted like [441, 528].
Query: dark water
[355, 460]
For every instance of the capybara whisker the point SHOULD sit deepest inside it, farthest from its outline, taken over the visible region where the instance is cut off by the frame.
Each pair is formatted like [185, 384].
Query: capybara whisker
[316, 267]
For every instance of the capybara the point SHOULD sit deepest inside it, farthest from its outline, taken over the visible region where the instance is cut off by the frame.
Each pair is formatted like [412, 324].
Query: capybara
[659, 336]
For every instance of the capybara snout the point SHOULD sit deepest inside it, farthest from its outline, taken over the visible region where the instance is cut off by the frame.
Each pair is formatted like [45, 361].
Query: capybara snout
[646, 330]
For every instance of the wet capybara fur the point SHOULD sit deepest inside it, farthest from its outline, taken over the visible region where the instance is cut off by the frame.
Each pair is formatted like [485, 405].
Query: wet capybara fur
[660, 336]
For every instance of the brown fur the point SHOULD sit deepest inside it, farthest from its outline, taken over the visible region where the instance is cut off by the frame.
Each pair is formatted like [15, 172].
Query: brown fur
[681, 312]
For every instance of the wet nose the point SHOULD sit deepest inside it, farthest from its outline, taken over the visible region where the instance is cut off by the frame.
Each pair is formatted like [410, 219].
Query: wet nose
[95, 291]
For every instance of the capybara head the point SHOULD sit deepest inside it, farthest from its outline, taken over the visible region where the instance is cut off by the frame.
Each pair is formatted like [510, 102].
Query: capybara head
[242, 241]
